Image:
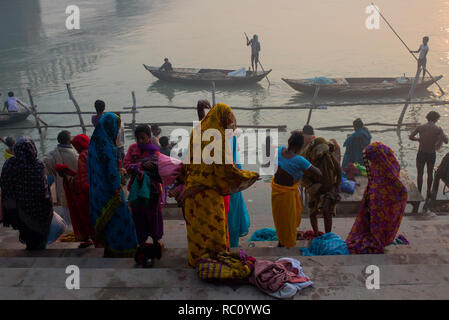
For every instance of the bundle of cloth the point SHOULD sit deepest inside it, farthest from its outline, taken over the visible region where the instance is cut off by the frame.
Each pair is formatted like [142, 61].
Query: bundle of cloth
[264, 234]
[226, 267]
[325, 245]
[281, 279]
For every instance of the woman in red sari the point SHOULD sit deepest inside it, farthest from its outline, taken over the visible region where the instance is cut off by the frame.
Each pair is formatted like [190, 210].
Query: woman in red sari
[76, 186]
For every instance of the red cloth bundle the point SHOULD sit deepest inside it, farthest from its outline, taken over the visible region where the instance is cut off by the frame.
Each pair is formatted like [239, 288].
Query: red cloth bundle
[64, 169]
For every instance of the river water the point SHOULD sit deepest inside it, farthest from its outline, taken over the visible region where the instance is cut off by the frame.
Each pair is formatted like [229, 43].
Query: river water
[299, 39]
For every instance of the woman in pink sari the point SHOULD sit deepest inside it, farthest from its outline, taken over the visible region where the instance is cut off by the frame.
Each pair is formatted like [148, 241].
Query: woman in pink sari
[383, 203]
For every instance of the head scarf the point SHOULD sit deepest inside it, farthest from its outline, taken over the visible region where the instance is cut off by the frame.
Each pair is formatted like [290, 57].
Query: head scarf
[383, 203]
[108, 210]
[150, 147]
[23, 180]
[81, 142]
[319, 153]
[223, 177]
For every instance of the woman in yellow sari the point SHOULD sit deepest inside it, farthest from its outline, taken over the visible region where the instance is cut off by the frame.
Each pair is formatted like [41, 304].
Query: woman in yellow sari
[206, 182]
[286, 203]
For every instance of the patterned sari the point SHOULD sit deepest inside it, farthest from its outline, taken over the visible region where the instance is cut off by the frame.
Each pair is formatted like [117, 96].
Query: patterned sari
[109, 213]
[26, 198]
[383, 203]
[205, 186]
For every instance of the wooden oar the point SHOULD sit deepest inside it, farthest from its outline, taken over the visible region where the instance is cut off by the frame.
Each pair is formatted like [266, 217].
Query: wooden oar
[269, 83]
[392, 29]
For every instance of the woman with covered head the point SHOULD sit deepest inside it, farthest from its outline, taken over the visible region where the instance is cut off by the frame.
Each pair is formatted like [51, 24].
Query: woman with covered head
[26, 198]
[141, 162]
[323, 192]
[209, 176]
[383, 203]
[76, 186]
[109, 213]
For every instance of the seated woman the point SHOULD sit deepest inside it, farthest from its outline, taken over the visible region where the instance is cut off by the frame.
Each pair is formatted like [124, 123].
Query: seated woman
[207, 182]
[109, 213]
[285, 200]
[26, 198]
[383, 203]
[140, 160]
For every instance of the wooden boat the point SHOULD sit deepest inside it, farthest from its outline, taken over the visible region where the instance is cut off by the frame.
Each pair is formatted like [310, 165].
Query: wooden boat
[206, 76]
[360, 86]
[12, 117]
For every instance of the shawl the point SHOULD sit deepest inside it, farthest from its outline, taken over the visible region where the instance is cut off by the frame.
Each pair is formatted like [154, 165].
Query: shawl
[222, 177]
[107, 201]
[319, 152]
[383, 202]
[23, 181]
[81, 142]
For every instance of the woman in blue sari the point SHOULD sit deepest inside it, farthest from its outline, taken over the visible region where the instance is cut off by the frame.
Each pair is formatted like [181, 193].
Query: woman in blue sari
[356, 143]
[109, 213]
[238, 217]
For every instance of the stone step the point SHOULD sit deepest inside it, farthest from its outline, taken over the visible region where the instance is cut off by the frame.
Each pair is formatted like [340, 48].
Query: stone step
[176, 258]
[331, 282]
[209, 292]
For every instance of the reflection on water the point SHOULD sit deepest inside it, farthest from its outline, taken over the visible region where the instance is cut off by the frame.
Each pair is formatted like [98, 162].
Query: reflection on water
[20, 24]
[254, 91]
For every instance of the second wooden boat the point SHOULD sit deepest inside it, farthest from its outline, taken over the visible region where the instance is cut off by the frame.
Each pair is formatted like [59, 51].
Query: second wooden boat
[359, 86]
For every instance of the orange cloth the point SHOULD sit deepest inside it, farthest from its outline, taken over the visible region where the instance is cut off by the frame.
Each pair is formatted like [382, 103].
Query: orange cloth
[286, 208]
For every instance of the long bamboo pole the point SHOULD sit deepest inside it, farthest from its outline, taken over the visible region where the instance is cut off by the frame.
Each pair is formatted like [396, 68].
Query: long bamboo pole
[394, 31]
[305, 106]
[312, 105]
[410, 96]
[78, 109]
[133, 95]
[34, 108]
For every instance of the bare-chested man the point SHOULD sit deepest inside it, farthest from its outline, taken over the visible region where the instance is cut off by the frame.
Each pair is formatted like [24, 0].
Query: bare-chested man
[431, 137]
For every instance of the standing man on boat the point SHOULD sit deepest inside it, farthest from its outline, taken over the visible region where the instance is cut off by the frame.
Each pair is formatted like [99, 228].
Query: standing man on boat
[431, 137]
[11, 103]
[255, 48]
[166, 66]
[422, 60]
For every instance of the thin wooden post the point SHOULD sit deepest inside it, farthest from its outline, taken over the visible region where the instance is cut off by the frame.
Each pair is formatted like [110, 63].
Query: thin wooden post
[134, 108]
[30, 110]
[213, 93]
[78, 109]
[34, 109]
[410, 96]
[313, 105]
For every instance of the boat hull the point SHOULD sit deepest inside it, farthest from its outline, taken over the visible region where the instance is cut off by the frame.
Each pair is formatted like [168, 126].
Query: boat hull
[205, 77]
[361, 86]
[12, 117]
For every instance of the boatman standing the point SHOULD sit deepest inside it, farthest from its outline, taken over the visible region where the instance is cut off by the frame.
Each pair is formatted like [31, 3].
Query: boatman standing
[255, 48]
[11, 103]
[422, 60]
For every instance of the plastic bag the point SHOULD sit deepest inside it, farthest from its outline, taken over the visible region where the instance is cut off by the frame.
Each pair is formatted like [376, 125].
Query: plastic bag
[57, 228]
[347, 186]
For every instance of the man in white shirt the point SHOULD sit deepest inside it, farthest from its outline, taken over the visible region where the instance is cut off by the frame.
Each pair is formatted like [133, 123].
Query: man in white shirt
[422, 60]
[11, 103]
